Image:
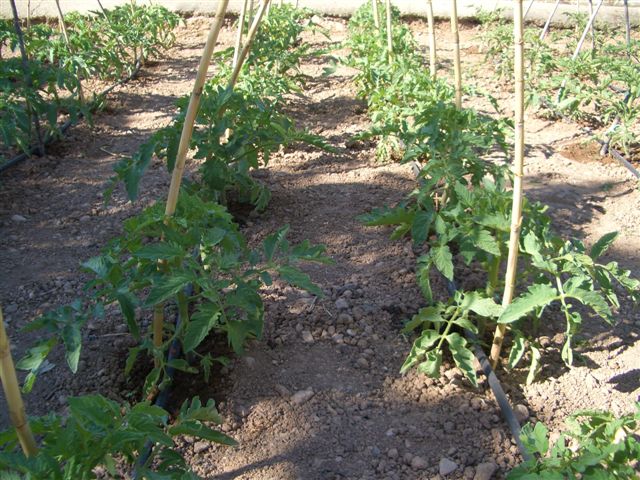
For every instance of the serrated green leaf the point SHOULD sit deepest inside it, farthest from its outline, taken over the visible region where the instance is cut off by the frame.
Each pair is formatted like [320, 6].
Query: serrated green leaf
[443, 260]
[298, 279]
[199, 430]
[517, 351]
[432, 363]
[462, 356]
[421, 226]
[199, 327]
[536, 296]
[480, 304]
[160, 251]
[166, 287]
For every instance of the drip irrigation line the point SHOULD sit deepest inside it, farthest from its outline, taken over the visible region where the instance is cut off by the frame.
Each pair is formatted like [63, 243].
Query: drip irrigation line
[496, 387]
[50, 138]
[162, 400]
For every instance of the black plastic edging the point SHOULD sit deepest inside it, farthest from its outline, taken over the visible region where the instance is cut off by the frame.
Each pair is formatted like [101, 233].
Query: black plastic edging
[496, 387]
[66, 125]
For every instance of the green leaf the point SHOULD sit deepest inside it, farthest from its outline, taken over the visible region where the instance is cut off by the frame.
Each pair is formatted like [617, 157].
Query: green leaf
[443, 260]
[432, 363]
[160, 251]
[517, 351]
[462, 356]
[421, 226]
[272, 242]
[483, 240]
[199, 430]
[536, 296]
[387, 216]
[535, 364]
[72, 338]
[166, 287]
[199, 327]
[299, 279]
[128, 303]
[483, 306]
[182, 365]
[594, 300]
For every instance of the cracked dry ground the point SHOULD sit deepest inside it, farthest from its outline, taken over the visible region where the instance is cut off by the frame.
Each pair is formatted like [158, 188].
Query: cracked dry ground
[320, 396]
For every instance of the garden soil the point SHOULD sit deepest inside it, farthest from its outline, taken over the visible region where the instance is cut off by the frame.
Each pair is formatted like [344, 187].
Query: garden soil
[320, 396]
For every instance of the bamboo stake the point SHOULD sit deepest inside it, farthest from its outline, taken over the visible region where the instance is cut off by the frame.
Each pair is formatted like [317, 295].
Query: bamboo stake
[250, 12]
[251, 35]
[33, 114]
[185, 140]
[518, 173]
[65, 34]
[236, 50]
[432, 39]
[627, 25]
[13, 396]
[526, 12]
[457, 72]
[547, 24]
[280, 3]
[389, 32]
[376, 14]
[28, 14]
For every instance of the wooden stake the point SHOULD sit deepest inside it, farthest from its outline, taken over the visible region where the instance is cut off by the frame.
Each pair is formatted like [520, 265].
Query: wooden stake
[63, 28]
[236, 50]
[389, 32]
[33, 114]
[250, 12]
[457, 73]
[376, 14]
[518, 173]
[547, 24]
[627, 25]
[593, 33]
[13, 396]
[251, 35]
[432, 39]
[185, 140]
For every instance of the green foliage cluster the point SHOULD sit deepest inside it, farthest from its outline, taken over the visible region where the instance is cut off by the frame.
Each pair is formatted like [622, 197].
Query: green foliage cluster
[107, 45]
[237, 129]
[599, 87]
[461, 209]
[597, 446]
[194, 266]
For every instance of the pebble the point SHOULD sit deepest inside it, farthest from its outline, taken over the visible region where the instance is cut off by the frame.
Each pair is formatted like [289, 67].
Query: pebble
[362, 362]
[200, 447]
[418, 463]
[485, 471]
[85, 218]
[282, 390]
[522, 412]
[392, 453]
[446, 466]
[250, 362]
[302, 396]
[11, 308]
[18, 218]
[342, 304]
[307, 337]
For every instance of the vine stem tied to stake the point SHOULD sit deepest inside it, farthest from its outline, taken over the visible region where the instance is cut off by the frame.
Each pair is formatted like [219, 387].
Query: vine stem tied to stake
[518, 174]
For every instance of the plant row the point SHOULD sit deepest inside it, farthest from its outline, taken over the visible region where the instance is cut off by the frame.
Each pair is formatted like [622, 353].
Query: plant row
[458, 217]
[598, 87]
[194, 266]
[108, 45]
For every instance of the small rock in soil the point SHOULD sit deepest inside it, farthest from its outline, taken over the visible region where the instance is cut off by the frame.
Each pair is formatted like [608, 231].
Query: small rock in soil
[282, 390]
[392, 453]
[302, 396]
[522, 413]
[18, 218]
[200, 447]
[307, 337]
[447, 466]
[485, 471]
[342, 304]
[362, 362]
[419, 463]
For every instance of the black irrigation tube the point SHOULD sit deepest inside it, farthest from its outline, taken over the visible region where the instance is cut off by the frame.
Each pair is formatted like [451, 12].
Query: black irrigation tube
[34, 149]
[496, 387]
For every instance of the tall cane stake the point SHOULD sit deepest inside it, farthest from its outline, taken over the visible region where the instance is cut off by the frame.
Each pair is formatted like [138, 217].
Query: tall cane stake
[432, 39]
[389, 32]
[65, 34]
[376, 14]
[185, 140]
[236, 50]
[251, 35]
[518, 173]
[13, 396]
[547, 24]
[457, 72]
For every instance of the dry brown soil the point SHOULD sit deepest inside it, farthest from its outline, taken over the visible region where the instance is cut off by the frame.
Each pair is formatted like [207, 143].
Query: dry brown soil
[320, 397]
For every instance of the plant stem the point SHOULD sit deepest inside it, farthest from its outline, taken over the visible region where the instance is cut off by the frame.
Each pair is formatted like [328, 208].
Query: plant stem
[432, 39]
[158, 329]
[518, 173]
[457, 72]
[13, 396]
[453, 318]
